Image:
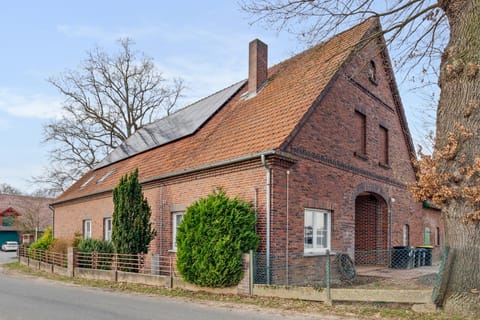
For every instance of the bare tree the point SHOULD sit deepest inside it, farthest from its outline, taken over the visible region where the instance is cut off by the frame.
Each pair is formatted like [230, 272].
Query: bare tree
[425, 30]
[34, 215]
[5, 188]
[107, 99]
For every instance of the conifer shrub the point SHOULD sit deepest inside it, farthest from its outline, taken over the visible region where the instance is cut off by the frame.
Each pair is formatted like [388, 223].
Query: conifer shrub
[211, 238]
[132, 230]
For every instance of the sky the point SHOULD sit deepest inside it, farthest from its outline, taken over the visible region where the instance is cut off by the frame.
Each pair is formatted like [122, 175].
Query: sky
[203, 42]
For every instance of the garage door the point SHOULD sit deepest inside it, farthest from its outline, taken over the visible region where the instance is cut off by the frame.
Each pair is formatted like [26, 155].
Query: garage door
[8, 236]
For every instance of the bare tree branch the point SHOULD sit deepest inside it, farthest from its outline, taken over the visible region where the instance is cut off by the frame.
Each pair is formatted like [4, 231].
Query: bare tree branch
[106, 100]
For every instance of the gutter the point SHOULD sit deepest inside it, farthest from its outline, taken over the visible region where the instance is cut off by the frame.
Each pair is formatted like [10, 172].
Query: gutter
[267, 192]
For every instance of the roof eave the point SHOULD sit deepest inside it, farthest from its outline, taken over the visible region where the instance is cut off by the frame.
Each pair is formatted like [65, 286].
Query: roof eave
[243, 158]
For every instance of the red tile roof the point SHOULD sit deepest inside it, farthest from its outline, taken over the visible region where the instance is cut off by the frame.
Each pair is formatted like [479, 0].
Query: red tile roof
[242, 126]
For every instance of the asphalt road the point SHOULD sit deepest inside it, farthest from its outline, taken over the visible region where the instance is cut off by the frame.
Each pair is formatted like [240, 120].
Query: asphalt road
[29, 298]
[6, 257]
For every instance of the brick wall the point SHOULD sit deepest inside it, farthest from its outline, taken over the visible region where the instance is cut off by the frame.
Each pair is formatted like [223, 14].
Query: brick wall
[329, 175]
[326, 174]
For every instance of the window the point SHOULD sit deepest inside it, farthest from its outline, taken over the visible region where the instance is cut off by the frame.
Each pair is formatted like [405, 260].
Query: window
[87, 229]
[106, 175]
[383, 147]
[361, 133]
[87, 182]
[372, 72]
[8, 221]
[427, 237]
[176, 220]
[107, 229]
[316, 231]
[406, 235]
[437, 236]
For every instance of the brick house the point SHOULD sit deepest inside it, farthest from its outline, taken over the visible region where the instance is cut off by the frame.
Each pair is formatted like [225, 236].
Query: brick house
[319, 144]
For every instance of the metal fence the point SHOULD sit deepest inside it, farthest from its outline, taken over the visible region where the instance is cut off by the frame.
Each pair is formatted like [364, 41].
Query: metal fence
[153, 264]
[51, 257]
[136, 263]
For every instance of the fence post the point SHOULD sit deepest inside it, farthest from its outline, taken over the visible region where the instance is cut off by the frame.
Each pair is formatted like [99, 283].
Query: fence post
[170, 284]
[327, 279]
[250, 271]
[115, 267]
[71, 253]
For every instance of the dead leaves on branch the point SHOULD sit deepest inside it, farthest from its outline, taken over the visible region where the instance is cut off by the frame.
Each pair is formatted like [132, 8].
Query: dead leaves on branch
[461, 183]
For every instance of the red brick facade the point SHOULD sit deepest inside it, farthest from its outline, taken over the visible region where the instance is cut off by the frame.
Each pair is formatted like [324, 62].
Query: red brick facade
[318, 166]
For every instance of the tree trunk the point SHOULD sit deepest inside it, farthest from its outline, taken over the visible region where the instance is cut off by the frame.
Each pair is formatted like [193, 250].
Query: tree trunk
[458, 144]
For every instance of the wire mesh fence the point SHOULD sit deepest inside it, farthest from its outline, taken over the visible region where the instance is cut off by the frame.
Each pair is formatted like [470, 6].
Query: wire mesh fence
[304, 270]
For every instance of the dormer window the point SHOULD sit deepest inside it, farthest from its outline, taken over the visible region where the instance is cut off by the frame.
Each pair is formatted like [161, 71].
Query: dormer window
[106, 175]
[87, 182]
[372, 72]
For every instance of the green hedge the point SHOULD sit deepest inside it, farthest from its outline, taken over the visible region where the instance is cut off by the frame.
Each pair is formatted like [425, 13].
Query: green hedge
[93, 245]
[211, 238]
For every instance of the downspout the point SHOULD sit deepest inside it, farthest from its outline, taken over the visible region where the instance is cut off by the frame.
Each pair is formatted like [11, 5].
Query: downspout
[390, 231]
[161, 222]
[287, 209]
[53, 219]
[267, 193]
[255, 205]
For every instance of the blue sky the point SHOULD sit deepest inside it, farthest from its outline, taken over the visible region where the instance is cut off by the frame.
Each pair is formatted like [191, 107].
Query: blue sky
[203, 42]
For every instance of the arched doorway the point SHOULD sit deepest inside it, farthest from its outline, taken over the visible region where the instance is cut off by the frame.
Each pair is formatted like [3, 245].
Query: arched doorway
[371, 230]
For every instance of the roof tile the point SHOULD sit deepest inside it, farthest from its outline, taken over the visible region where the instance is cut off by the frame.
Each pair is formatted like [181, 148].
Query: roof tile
[242, 126]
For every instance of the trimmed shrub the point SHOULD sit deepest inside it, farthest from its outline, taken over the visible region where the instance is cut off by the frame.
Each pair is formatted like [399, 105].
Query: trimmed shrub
[211, 238]
[96, 261]
[93, 245]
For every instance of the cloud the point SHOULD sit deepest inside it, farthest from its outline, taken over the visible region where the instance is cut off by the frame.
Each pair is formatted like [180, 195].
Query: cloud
[17, 104]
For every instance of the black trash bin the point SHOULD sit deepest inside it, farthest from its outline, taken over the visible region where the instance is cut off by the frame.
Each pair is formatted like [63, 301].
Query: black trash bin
[401, 257]
[420, 257]
[428, 254]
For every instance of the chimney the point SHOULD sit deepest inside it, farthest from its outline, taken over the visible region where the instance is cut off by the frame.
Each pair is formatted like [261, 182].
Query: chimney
[257, 66]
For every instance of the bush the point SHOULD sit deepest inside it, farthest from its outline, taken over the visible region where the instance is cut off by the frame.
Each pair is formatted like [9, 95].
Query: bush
[211, 238]
[59, 245]
[93, 245]
[44, 242]
[77, 237]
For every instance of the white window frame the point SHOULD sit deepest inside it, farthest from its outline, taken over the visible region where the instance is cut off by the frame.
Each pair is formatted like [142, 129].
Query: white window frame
[406, 235]
[174, 228]
[107, 229]
[317, 215]
[87, 229]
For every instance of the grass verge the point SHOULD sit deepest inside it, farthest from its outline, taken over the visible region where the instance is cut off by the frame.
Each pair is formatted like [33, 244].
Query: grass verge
[341, 310]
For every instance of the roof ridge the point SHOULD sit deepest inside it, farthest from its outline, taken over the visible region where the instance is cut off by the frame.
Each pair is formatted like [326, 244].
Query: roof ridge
[322, 43]
[24, 196]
